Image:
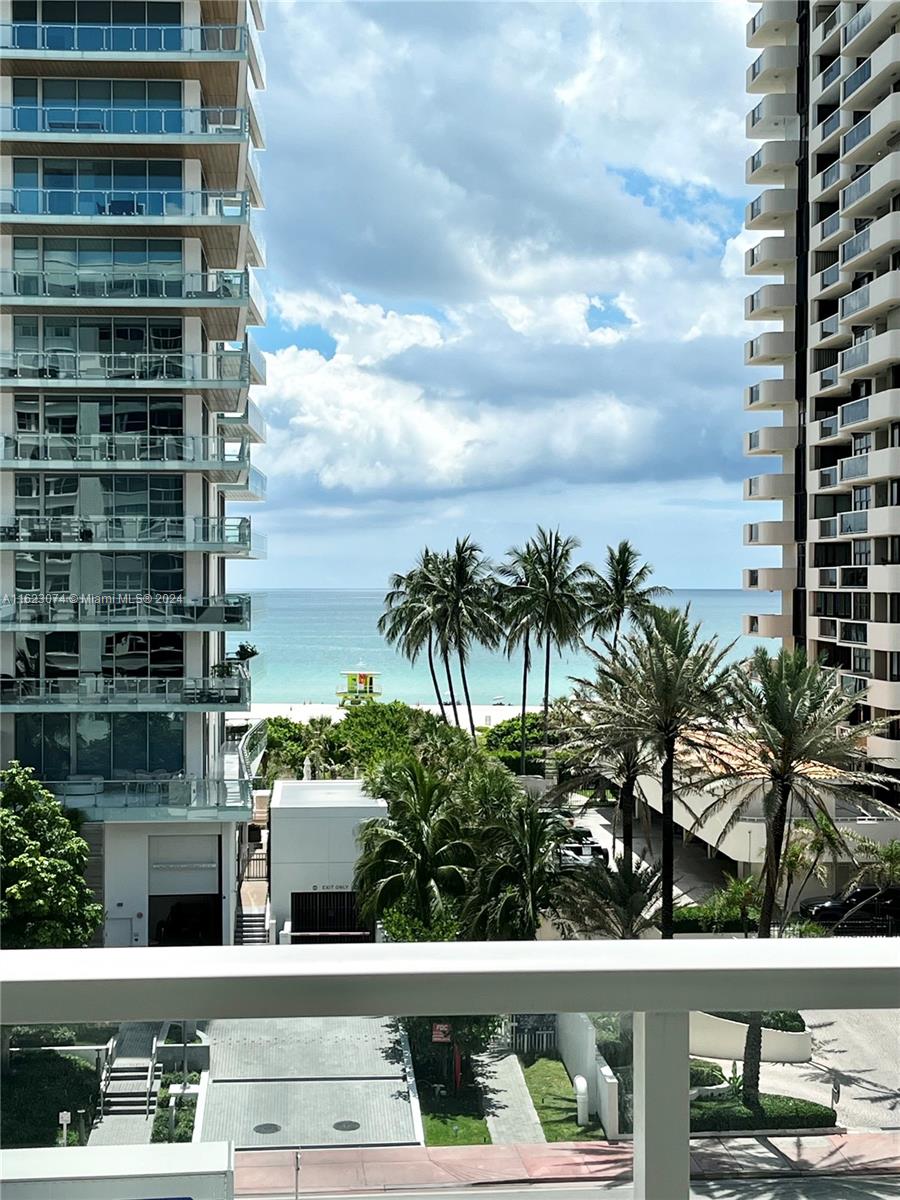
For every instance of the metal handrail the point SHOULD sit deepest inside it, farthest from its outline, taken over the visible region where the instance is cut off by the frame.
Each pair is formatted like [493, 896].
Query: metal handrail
[124, 202]
[152, 283]
[127, 608]
[217, 366]
[151, 1072]
[106, 119]
[125, 39]
[122, 447]
[133, 690]
[230, 531]
[106, 1077]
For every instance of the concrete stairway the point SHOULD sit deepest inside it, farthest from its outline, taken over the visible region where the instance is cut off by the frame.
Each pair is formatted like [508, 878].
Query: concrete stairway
[127, 1091]
[125, 1119]
[250, 928]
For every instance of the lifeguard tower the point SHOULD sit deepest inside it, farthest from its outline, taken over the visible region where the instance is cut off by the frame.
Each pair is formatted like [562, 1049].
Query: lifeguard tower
[359, 687]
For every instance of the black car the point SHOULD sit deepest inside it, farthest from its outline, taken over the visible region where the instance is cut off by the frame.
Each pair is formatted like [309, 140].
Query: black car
[869, 902]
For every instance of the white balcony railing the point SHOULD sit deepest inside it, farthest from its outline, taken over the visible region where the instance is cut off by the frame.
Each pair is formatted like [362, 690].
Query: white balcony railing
[661, 982]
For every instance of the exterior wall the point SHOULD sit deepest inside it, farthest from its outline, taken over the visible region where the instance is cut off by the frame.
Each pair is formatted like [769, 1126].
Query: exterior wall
[714, 1037]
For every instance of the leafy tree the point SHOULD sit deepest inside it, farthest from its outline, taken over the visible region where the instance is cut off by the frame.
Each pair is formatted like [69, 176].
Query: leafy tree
[784, 748]
[621, 590]
[417, 854]
[737, 899]
[619, 903]
[517, 881]
[667, 686]
[44, 900]
[409, 618]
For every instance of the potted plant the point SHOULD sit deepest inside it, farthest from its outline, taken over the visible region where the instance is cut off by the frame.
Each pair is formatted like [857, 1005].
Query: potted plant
[246, 651]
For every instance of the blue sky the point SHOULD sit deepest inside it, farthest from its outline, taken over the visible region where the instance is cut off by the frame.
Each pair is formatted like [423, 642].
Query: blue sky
[505, 282]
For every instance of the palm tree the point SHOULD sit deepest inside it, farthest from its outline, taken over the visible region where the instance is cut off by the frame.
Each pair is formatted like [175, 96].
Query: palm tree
[666, 687]
[599, 757]
[552, 597]
[517, 603]
[621, 903]
[408, 617]
[621, 590]
[469, 605]
[418, 853]
[880, 867]
[517, 882]
[784, 747]
[806, 848]
[740, 896]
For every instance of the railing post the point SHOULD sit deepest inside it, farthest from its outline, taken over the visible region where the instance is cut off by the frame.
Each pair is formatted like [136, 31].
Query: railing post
[662, 1163]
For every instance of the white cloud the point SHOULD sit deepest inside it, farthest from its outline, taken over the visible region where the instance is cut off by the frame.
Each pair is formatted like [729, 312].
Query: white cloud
[366, 332]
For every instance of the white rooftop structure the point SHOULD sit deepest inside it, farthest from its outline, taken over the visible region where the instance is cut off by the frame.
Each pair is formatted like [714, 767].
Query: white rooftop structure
[324, 793]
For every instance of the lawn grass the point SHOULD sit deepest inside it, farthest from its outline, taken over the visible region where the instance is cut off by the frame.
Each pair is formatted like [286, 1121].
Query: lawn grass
[554, 1099]
[455, 1119]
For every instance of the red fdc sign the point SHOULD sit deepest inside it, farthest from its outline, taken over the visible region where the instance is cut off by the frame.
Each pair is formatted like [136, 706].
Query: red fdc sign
[441, 1033]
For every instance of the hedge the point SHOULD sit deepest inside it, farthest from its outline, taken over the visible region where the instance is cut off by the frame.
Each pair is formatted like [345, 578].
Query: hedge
[62, 1035]
[775, 1112]
[705, 1074]
[785, 1019]
[512, 760]
[695, 918]
[36, 1088]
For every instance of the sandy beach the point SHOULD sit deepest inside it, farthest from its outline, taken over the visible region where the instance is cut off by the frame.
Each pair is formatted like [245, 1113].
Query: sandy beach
[484, 714]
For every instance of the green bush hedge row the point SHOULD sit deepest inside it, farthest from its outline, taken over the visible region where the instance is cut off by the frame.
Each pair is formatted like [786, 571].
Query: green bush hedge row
[705, 1074]
[784, 1019]
[36, 1088]
[776, 1112]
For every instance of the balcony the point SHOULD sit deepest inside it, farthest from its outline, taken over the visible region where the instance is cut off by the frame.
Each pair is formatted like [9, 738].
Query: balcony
[828, 283]
[29, 612]
[826, 136]
[774, 24]
[868, 27]
[851, 523]
[828, 478]
[771, 256]
[769, 533]
[155, 799]
[873, 355]
[829, 333]
[222, 376]
[826, 32]
[828, 577]
[766, 625]
[102, 693]
[774, 71]
[217, 137]
[769, 348]
[775, 486]
[209, 535]
[775, 208]
[827, 429]
[251, 487]
[830, 232]
[826, 184]
[877, 464]
[214, 54]
[220, 219]
[770, 394]
[770, 579]
[771, 302]
[870, 411]
[885, 751]
[874, 77]
[774, 116]
[249, 426]
[773, 162]
[771, 439]
[873, 190]
[225, 300]
[865, 303]
[223, 462]
[882, 693]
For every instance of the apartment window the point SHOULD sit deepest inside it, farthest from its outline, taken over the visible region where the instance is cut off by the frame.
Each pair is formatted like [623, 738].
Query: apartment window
[83, 186]
[895, 433]
[113, 745]
[862, 498]
[862, 443]
[894, 665]
[115, 496]
[862, 552]
[64, 336]
[89, 414]
[860, 660]
[862, 606]
[98, 105]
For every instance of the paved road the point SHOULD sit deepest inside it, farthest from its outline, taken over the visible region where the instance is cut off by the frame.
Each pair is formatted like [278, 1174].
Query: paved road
[861, 1049]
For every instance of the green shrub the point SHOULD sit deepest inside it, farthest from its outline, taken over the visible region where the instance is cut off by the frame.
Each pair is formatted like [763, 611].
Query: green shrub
[185, 1111]
[705, 1074]
[507, 735]
[27, 1036]
[512, 760]
[36, 1088]
[614, 1037]
[785, 1019]
[775, 1112]
[698, 918]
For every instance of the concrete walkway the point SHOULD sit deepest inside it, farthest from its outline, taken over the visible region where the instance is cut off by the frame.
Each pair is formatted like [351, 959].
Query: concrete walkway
[510, 1112]
[134, 1048]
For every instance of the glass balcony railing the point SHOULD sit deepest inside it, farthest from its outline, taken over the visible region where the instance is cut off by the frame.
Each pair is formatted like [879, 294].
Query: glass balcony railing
[856, 356]
[753, 440]
[828, 377]
[134, 692]
[854, 577]
[756, 207]
[829, 276]
[828, 577]
[830, 175]
[831, 73]
[828, 477]
[110, 449]
[131, 610]
[753, 533]
[122, 203]
[828, 527]
[151, 795]
[855, 301]
[227, 123]
[857, 134]
[217, 367]
[827, 627]
[854, 631]
[856, 410]
[756, 67]
[756, 160]
[214, 534]
[829, 326]
[753, 578]
[226, 40]
[831, 123]
[829, 23]
[857, 78]
[828, 427]
[830, 225]
[858, 244]
[857, 23]
[856, 190]
[854, 522]
[856, 467]
[116, 284]
[852, 685]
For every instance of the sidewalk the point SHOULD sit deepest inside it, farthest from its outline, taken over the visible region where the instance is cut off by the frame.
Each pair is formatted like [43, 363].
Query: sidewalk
[511, 1116]
[271, 1172]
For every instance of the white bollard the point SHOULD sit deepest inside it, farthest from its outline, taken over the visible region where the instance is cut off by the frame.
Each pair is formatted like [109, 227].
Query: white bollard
[581, 1099]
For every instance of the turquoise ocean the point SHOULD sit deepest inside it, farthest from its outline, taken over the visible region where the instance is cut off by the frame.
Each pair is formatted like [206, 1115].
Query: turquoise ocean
[307, 637]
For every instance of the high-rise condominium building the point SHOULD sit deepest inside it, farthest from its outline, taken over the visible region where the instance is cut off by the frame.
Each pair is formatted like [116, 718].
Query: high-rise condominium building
[827, 123]
[130, 184]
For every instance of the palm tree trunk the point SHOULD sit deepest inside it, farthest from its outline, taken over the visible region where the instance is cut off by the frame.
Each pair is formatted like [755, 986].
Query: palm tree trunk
[668, 840]
[465, 683]
[547, 699]
[446, 659]
[774, 847]
[434, 678]
[615, 640]
[626, 803]
[525, 666]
